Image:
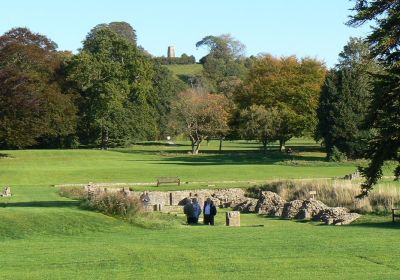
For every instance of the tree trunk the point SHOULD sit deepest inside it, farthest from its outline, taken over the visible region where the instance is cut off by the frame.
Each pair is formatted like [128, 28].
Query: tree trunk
[104, 139]
[281, 145]
[220, 143]
[264, 143]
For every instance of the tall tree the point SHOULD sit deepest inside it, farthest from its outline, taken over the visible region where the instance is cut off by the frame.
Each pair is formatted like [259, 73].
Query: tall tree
[224, 65]
[200, 116]
[115, 82]
[33, 104]
[289, 84]
[384, 113]
[123, 29]
[345, 99]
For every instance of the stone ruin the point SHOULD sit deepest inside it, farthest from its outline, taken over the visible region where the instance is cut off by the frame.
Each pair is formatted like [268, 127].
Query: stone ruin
[268, 203]
[6, 192]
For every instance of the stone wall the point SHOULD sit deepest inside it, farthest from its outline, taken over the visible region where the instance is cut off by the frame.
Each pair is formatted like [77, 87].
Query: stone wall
[268, 203]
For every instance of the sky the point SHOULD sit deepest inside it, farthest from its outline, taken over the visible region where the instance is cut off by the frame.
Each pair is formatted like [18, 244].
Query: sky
[313, 28]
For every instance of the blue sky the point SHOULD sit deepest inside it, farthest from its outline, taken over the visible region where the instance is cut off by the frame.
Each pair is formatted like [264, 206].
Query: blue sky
[312, 28]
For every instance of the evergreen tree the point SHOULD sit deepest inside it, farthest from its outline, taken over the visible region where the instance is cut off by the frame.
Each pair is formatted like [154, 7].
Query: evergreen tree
[345, 99]
[384, 113]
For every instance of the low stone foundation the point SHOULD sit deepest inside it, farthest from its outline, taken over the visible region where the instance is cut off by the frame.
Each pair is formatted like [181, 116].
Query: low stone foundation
[268, 203]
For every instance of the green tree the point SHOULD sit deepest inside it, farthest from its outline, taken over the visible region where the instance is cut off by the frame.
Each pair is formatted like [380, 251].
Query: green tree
[384, 113]
[256, 122]
[33, 104]
[114, 79]
[224, 64]
[123, 29]
[166, 88]
[345, 99]
[288, 84]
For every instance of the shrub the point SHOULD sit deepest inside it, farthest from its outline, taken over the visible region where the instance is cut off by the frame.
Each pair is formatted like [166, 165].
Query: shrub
[336, 155]
[114, 203]
[72, 192]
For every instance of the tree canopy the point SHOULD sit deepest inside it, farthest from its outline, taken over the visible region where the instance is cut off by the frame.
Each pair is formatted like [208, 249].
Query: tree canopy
[200, 116]
[32, 101]
[384, 113]
[345, 99]
[288, 84]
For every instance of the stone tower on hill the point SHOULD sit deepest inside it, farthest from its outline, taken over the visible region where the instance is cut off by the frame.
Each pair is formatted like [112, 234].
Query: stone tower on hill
[171, 51]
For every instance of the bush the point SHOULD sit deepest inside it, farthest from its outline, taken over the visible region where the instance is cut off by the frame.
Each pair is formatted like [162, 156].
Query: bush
[114, 203]
[77, 193]
[336, 155]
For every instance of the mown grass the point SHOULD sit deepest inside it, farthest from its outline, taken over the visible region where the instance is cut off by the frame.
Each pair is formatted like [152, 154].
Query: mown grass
[46, 236]
[145, 162]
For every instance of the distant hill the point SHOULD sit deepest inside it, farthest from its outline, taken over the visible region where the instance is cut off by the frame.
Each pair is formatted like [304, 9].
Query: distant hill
[185, 69]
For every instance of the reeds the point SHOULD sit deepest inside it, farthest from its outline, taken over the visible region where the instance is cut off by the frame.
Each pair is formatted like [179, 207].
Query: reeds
[336, 193]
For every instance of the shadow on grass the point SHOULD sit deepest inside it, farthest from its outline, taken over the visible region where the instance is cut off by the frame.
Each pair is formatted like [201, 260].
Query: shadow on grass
[236, 157]
[2, 155]
[45, 204]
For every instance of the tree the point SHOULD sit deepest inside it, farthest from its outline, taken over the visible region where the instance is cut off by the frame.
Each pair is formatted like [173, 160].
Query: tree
[345, 99]
[123, 29]
[200, 116]
[32, 101]
[288, 84]
[224, 64]
[384, 112]
[166, 88]
[259, 123]
[117, 99]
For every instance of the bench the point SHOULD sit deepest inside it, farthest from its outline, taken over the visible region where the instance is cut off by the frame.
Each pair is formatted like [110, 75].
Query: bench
[168, 180]
[394, 215]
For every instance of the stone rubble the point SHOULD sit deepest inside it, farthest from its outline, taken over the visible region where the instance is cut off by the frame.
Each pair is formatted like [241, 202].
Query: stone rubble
[268, 203]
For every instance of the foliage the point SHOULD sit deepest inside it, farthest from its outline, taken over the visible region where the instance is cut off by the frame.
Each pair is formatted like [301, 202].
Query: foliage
[259, 123]
[123, 29]
[200, 116]
[384, 113]
[336, 155]
[32, 100]
[345, 99]
[117, 99]
[290, 85]
[166, 87]
[223, 66]
[184, 59]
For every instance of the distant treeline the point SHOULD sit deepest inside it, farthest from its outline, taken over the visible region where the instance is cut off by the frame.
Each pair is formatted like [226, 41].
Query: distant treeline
[183, 59]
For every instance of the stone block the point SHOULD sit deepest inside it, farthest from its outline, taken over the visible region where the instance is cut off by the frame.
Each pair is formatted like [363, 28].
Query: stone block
[233, 219]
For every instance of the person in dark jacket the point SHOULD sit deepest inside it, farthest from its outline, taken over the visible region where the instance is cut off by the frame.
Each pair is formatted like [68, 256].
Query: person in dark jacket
[188, 209]
[209, 211]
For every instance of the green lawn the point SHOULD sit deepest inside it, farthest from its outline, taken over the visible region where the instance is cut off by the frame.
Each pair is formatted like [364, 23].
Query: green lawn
[143, 163]
[45, 236]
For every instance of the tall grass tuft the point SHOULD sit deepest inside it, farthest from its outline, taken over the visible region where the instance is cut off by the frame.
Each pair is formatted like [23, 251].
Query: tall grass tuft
[120, 204]
[335, 193]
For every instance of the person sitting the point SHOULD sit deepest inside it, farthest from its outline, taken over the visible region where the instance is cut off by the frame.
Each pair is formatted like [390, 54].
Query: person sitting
[209, 211]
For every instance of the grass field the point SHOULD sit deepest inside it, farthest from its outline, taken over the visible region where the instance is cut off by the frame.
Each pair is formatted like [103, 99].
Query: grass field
[188, 70]
[45, 236]
[143, 163]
